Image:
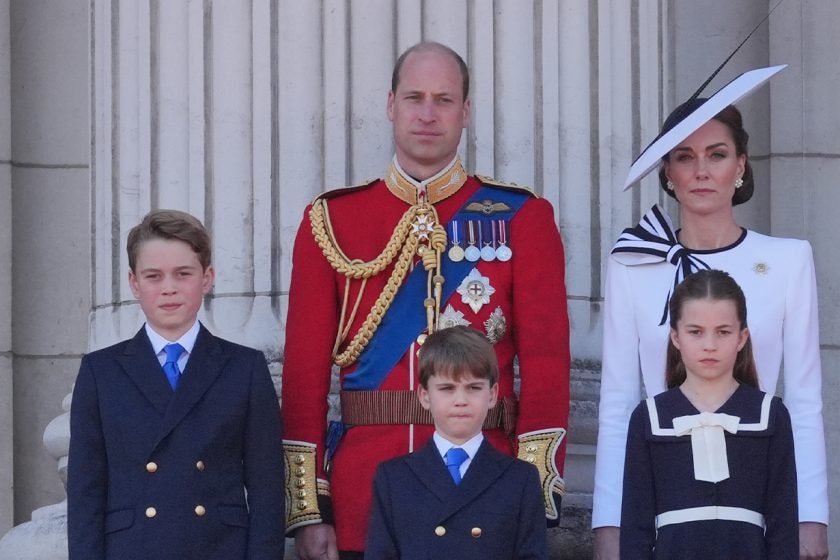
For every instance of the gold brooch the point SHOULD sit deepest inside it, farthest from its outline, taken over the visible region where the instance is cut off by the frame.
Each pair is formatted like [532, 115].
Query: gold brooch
[760, 268]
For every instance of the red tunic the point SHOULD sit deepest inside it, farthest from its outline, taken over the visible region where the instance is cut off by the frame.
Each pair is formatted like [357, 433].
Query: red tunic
[529, 289]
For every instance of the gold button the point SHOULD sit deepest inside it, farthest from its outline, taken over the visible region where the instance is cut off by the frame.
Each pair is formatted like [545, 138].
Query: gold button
[422, 338]
[300, 471]
[199, 466]
[300, 459]
[151, 467]
[150, 512]
[300, 483]
[531, 448]
[531, 459]
[475, 532]
[302, 504]
[200, 511]
[440, 530]
[300, 494]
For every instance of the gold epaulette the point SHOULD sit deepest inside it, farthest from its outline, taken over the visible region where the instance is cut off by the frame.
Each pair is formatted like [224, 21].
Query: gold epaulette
[485, 180]
[539, 448]
[332, 193]
[302, 484]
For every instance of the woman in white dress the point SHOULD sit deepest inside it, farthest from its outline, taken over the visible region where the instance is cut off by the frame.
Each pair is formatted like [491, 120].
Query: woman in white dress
[709, 172]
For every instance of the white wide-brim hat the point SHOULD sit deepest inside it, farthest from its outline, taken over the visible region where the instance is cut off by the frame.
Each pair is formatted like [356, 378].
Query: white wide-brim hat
[729, 94]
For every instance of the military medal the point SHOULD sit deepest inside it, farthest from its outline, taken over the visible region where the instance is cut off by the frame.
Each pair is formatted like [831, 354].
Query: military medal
[475, 290]
[456, 252]
[503, 252]
[488, 253]
[451, 318]
[495, 325]
[472, 253]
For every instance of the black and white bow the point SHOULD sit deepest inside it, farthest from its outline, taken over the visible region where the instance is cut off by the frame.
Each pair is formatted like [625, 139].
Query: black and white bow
[653, 240]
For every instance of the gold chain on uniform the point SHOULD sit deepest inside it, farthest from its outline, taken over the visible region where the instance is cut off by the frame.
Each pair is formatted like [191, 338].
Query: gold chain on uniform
[405, 242]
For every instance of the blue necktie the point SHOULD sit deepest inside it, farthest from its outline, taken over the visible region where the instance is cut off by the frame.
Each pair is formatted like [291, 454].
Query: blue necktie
[170, 366]
[454, 458]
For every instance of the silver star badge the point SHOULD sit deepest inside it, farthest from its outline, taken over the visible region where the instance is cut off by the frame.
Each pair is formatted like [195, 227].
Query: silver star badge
[476, 290]
[451, 318]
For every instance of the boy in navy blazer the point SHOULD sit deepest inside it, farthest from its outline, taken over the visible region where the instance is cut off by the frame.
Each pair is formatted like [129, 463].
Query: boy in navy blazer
[174, 448]
[457, 497]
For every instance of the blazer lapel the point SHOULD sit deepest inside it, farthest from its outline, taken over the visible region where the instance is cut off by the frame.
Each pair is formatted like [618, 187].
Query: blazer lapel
[139, 362]
[487, 465]
[206, 363]
[428, 466]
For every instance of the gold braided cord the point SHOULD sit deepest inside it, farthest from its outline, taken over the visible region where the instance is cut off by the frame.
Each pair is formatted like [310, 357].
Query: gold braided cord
[402, 242]
[362, 337]
[324, 236]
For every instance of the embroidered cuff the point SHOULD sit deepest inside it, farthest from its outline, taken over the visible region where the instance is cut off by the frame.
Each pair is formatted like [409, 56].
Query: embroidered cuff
[307, 497]
[540, 448]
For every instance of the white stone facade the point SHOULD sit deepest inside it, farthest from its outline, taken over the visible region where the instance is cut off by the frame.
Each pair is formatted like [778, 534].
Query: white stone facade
[242, 112]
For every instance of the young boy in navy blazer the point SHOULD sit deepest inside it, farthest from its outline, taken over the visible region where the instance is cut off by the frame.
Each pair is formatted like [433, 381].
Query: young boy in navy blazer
[457, 497]
[174, 448]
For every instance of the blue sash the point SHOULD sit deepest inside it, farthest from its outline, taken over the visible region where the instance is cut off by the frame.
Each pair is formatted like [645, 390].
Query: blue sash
[405, 319]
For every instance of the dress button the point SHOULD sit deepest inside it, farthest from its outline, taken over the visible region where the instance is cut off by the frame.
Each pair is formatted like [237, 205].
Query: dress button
[302, 504]
[440, 530]
[150, 512]
[475, 532]
[199, 466]
[199, 510]
[151, 467]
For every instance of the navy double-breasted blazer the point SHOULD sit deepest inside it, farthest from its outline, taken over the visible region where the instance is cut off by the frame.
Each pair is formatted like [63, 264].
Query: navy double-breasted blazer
[418, 512]
[194, 473]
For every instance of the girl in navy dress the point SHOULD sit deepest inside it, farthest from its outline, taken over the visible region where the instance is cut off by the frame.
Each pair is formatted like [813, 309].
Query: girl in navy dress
[709, 469]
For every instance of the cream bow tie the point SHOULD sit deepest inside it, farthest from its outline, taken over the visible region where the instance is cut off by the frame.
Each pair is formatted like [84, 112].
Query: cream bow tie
[708, 446]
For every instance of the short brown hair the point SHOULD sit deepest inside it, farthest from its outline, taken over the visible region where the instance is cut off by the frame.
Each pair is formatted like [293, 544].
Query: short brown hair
[431, 46]
[458, 351]
[169, 224]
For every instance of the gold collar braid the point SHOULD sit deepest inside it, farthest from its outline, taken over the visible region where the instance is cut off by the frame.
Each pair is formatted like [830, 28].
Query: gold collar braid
[418, 232]
[442, 185]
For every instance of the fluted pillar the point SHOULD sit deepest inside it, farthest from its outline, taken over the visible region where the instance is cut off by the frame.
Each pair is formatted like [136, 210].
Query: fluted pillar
[805, 165]
[6, 402]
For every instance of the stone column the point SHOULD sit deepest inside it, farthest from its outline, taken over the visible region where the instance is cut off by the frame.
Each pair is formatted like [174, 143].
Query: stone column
[6, 402]
[805, 165]
[50, 228]
[186, 101]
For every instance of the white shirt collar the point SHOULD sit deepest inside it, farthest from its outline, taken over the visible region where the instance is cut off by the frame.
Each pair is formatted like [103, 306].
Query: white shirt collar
[470, 446]
[187, 340]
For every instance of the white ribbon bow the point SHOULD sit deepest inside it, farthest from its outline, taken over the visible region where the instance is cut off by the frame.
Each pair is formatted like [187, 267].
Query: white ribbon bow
[708, 446]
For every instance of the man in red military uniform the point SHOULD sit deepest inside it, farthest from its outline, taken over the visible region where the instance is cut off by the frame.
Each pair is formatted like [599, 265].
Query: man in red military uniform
[378, 267]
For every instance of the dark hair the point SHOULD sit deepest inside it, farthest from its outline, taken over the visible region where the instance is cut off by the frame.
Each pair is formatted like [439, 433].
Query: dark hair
[731, 117]
[718, 286]
[169, 224]
[430, 46]
[458, 351]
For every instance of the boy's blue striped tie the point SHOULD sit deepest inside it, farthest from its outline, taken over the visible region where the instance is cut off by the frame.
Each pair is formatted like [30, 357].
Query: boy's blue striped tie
[454, 458]
[170, 366]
